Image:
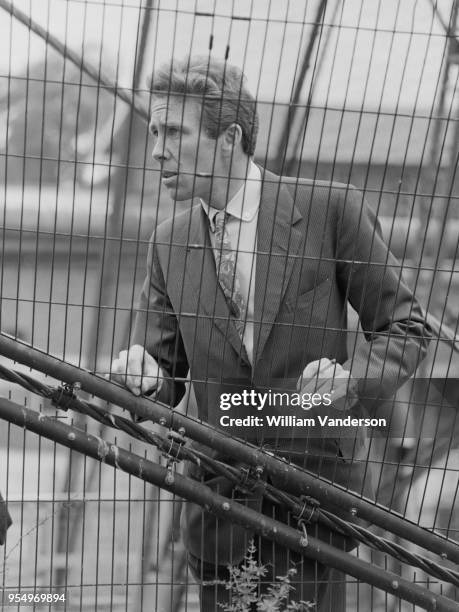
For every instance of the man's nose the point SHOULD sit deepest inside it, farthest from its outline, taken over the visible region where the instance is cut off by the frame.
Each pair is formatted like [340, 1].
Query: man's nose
[159, 150]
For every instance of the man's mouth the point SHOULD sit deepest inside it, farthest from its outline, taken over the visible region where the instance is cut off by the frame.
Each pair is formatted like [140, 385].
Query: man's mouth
[166, 174]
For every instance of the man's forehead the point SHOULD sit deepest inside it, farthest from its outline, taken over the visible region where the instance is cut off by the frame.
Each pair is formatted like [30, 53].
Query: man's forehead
[173, 107]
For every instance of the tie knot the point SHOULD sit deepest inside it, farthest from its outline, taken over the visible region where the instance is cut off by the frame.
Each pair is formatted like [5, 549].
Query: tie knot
[220, 220]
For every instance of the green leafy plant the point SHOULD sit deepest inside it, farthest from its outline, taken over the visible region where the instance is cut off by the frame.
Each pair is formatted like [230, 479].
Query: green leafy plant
[243, 584]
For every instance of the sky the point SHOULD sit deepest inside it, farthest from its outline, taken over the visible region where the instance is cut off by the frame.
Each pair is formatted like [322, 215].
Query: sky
[370, 52]
[372, 58]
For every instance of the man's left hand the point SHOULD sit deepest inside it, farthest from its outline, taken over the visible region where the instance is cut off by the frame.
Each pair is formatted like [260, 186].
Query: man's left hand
[326, 376]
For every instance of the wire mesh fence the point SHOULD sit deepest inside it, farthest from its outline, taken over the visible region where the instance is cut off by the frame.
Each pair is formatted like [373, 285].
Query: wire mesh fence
[346, 91]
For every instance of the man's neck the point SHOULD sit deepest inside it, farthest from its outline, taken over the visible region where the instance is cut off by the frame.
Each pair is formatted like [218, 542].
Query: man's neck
[224, 189]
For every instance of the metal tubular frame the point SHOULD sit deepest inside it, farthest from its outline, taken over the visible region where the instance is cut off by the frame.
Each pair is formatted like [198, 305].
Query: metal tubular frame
[282, 160]
[222, 507]
[173, 447]
[291, 478]
[103, 81]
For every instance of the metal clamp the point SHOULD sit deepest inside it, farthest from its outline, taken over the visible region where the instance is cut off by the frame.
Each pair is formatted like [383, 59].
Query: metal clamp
[250, 476]
[304, 541]
[64, 395]
[176, 441]
[309, 505]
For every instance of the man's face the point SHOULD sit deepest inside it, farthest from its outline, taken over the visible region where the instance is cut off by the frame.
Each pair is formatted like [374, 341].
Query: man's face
[187, 156]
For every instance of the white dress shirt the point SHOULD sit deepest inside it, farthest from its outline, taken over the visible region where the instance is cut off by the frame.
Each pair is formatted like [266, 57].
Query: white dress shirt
[242, 233]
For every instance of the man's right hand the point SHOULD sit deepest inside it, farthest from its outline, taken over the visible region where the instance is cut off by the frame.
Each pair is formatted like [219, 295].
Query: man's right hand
[137, 370]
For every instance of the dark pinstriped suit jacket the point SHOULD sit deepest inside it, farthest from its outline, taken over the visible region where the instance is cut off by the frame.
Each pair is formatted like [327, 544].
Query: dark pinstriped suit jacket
[318, 247]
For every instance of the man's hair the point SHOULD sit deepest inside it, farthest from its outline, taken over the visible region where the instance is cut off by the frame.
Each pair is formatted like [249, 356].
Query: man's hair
[219, 87]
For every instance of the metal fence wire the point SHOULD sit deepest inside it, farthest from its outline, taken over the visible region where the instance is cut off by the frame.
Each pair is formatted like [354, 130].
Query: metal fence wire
[118, 148]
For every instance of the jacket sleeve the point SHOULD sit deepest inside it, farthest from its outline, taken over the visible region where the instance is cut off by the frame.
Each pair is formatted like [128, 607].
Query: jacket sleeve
[5, 520]
[394, 324]
[156, 329]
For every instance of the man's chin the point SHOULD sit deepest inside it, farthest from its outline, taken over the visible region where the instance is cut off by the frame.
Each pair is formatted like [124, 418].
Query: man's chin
[178, 195]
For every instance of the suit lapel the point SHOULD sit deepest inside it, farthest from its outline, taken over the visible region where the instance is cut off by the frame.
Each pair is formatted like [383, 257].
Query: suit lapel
[210, 297]
[278, 242]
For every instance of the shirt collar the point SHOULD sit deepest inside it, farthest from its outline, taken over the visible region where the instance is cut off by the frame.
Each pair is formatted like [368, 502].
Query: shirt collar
[245, 202]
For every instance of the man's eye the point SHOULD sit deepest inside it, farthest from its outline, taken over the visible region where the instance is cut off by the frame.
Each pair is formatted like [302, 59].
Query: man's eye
[172, 131]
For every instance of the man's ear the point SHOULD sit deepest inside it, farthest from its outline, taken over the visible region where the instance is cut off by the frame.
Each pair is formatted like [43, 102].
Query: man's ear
[231, 137]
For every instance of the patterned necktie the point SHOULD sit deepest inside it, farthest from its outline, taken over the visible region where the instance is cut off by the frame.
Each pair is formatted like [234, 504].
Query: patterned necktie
[225, 260]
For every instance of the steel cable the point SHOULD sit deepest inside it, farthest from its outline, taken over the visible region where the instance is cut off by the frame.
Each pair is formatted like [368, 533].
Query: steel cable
[174, 448]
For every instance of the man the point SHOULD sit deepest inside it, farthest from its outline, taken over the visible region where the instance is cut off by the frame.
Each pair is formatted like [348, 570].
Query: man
[5, 520]
[247, 289]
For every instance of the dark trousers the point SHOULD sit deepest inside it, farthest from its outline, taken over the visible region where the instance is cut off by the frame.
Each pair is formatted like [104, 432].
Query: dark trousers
[312, 582]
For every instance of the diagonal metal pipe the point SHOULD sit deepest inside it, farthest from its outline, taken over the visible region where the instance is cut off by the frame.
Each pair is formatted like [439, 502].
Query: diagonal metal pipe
[102, 80]
[290, 478]
[111, 454]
